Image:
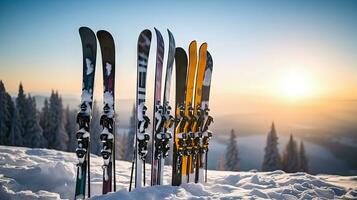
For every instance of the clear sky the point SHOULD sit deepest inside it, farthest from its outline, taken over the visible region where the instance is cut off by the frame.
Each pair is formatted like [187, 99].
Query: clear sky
[265, 48]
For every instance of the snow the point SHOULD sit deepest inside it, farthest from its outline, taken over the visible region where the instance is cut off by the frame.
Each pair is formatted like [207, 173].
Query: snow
[108, 68]
[109, 100]
[90, 66]
[49, 174]
[208, 75]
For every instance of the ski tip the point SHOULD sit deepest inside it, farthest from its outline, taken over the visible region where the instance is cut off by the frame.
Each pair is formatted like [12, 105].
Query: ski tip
[85, 29]
[157, 32]
[145, 31]
[104, 33]
[179, 51]
[203, 46]
[193, 44]
[171, 37]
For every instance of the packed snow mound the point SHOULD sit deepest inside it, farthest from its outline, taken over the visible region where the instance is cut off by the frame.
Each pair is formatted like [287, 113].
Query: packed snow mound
[48, 174]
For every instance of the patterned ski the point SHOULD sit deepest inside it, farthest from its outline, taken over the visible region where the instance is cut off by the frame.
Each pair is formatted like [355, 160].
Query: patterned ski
[89, 48]
[178, 142]
[107, 120]
[158, 118]
[192, 66]
[167, 117]
[142, 121]
[195, 134]
[207, 119]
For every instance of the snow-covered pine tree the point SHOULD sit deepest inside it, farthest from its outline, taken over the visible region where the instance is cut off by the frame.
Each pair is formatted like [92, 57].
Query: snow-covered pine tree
[45, 122]
[291, 157]
[21, 105]
[14, 137]
[71, 127]
[32, 131]
[57, 138]
[272, 160]
[232, 154]
[4, 114]
[303, 161]
[96, 128]
[10, 127]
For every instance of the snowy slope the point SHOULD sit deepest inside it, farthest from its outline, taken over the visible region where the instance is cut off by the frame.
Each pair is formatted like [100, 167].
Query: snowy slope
[49, 174]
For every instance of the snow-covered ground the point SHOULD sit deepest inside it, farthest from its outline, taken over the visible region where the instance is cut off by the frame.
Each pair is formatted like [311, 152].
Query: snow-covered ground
[49, 174]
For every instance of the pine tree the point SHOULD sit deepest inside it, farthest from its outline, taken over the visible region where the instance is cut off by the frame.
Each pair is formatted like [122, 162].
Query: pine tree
[45, 121]
[4, 115]
[232, 154]
[303, 161]
[71, 127]
[96, 129]
[33, 132]
[290, 157]
[21, 104]
[29, 123]
[272, 159]
[57, 137]
[14, 136]
[10, 127]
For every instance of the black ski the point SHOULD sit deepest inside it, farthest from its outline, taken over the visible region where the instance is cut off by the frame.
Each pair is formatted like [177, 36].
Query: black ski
[107, 119]
[89, 48]
[181, 62]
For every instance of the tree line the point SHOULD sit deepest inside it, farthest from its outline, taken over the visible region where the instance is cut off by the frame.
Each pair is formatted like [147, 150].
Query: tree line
[53, 127]
[293, 159]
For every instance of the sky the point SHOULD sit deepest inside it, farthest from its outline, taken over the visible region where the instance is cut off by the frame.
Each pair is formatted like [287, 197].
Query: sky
[280, 50]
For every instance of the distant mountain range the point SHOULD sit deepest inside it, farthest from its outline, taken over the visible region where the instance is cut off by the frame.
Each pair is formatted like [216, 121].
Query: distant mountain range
[123, 107]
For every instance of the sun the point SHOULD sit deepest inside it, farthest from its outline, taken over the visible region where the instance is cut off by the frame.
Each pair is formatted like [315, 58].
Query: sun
[296, 84]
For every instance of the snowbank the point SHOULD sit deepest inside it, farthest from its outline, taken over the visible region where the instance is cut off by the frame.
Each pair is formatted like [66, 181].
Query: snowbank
[49, 174]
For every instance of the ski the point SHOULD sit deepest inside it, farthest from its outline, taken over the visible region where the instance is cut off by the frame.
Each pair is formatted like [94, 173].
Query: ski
[187, 156]
[89, 48]
[168, 118]
[162, 134]
[178, 142]
[142, 121]
[207, 120]
[107, 120]
[158, 118]
[197, 119]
